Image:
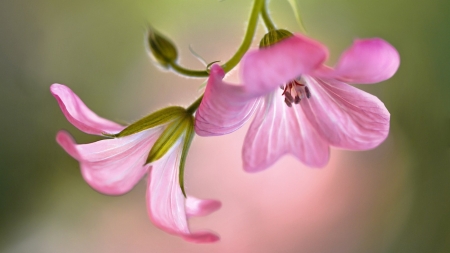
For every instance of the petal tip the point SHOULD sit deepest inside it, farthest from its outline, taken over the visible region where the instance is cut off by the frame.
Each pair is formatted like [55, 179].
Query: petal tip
[65, 140]
[202, 237]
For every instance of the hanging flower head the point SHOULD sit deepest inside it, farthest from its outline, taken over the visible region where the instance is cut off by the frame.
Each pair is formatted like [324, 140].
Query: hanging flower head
[315, 107]
[155, 145]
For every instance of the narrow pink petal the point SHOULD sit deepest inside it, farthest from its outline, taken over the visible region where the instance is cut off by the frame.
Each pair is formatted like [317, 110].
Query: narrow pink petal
[201, 237]
[367, 61]
[166, 204]
[266, 69]
[346, 116]
[112, 166]
[277, 130]
[79, 114]
[66, 141]
[201, 207]
[224, 108]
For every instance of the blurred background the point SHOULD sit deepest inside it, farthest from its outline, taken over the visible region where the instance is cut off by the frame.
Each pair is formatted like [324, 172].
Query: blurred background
[394, 198]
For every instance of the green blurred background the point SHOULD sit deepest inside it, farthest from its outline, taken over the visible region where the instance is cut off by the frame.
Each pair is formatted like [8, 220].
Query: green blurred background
[98, 49]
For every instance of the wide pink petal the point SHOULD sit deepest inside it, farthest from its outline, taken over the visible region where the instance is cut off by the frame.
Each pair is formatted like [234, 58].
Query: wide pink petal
[277, 130]
[112, 166]
[264, 70]
[366, 61]
[344, 115]
[201, 207]
[166, 204]
[79, 114]
[224, 108]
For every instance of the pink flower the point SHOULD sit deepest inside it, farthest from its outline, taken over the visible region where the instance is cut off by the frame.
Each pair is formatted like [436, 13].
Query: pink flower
[114, 166]
[314, 109]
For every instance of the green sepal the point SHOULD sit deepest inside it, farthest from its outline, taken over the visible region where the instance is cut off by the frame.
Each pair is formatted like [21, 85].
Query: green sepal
[186, 145]
[162, 49]
[155, 119]
[273, 37]
[169, 137]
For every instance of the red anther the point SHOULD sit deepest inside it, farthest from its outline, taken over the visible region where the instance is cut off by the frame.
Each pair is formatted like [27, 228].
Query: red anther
[289, 97]
[308, 93]
[287, 102]
[294, 91]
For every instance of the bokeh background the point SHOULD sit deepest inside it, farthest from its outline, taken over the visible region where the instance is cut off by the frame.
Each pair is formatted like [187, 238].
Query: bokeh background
[394, 198]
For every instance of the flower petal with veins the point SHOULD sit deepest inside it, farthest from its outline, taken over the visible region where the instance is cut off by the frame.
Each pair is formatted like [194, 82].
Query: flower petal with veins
[346, 116]
[112, 166]
[166, 204]
[277, 130]
[79, 114]
[266, 69]
[229, 109]
[322, 110]
[367, 61]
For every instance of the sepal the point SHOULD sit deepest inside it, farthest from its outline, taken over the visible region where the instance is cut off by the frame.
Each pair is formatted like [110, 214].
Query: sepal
[155, 119]
[273, 37]
[172, 134]
[181, 129]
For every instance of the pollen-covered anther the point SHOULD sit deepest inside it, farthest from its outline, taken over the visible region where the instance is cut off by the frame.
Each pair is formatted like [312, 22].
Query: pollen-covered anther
[294, 91]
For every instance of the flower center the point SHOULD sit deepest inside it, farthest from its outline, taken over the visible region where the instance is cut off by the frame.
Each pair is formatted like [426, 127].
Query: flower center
[294, 91]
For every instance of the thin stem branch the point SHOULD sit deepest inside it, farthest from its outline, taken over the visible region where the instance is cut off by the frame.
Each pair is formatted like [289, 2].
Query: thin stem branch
[188, 72]
[236, 58]
[246, 43]
[266, 17]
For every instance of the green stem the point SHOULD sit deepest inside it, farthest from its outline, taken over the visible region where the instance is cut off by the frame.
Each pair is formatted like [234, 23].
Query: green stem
[188, 72]
[230, 64]
[251, 29]
[236, 58]
[266, 17]
[194, 106]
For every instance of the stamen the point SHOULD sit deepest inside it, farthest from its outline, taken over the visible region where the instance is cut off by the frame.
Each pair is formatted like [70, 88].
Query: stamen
[294, 91]
[308, 93]
[289, 97]
[287, 102]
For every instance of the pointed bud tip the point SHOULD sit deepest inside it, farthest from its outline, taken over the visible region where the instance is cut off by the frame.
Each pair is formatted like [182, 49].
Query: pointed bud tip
[161, 48]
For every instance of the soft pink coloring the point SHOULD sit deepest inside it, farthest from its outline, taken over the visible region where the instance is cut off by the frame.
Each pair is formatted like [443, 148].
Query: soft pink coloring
[115, 166]
[315, 108]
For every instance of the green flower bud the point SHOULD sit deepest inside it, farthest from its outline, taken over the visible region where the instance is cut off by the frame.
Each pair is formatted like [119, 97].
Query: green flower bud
[162, 49]
[273, 37]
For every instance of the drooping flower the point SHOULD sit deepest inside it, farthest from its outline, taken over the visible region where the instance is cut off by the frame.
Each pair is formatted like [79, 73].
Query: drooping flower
[315, 107]
[114, 166]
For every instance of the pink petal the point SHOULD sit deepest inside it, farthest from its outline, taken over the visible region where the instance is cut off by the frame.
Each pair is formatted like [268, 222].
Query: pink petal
[201, 207]
[224, 108]
[165, 201]
[367, 61]
[112, 166]
[277, 130]
[345, 116]
[79, 114]
[266, 69]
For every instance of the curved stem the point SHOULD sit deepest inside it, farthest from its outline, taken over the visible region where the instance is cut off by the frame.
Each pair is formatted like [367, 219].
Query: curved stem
[266, 17]
[246, 43]
[188, 72]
